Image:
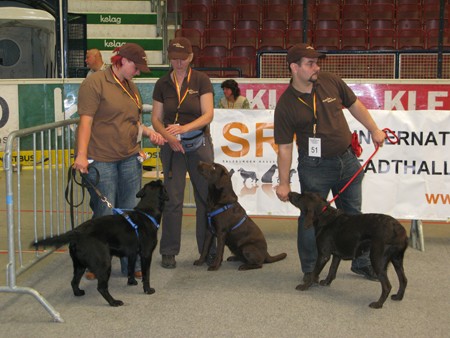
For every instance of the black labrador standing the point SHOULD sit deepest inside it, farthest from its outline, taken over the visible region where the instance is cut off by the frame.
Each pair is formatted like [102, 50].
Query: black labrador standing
[93, 243]
[230, 223]
[347, 236]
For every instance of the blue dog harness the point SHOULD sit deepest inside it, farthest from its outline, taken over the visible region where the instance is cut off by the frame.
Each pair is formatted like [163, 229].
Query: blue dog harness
[220, 210]
[123, 213]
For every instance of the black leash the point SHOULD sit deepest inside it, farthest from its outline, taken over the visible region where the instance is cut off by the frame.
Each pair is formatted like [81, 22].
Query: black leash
[83, 183]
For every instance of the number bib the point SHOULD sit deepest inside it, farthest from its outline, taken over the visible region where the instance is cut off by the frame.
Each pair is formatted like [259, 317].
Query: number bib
[314, 148]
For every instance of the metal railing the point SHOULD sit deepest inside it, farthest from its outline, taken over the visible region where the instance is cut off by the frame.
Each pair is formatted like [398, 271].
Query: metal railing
[44, 179]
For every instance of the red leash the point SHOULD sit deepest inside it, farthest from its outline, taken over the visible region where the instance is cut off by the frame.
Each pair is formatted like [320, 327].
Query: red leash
[394, 141]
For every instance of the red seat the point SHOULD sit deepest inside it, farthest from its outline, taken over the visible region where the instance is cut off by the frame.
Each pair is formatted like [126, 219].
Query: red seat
[247, 51]
[245, 37]
[410, 39]
[221, 24]
[199, 25]
[217, 51]
[382, 39]
[409, 11]
[222, 11]
[296, 12]
[217, 37]
[194, 36]
[273, 38]
[354, 12]
[274, 24]
[294, 36]
[245, 64]
[403, 24]
[432, 38]
[327, 24]
[381, 11]
[430, 11]
[381, 24]
[247, 24]
[194, 12]
[328, 12]
[326, 39]
[298, 24]
[215, 63]
[354, 24]
[434, 24]
[275, 12]
[248, 12]
[354, 39]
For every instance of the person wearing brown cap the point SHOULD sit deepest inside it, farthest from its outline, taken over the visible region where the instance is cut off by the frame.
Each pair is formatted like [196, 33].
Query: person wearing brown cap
[311, 109]
[183, 108]
[109, 131]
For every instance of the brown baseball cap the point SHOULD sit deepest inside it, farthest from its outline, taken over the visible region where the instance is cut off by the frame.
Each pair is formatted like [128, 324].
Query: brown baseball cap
[135, 53]
[179, 48]
[302, 50]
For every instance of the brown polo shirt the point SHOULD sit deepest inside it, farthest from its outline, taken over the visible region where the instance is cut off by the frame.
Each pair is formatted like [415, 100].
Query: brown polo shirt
[116, 116]
[165, 92]
[292, 116]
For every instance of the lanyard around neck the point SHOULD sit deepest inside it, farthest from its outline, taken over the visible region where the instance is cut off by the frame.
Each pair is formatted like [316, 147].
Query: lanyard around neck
[133, 96]
[178, 87]
[314, 108]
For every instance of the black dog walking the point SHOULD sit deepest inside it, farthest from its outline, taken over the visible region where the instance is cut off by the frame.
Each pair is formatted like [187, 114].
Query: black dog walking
[93, 243]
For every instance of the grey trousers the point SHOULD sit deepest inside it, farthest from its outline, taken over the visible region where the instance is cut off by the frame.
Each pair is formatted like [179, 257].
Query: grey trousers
[173, 210]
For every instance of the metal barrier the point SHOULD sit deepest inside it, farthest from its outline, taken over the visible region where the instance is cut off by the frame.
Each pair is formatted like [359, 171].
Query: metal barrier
[45, 180]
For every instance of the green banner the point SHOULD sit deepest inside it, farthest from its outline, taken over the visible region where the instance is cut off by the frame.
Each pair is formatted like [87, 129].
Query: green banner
[121, 19]
[110, 44]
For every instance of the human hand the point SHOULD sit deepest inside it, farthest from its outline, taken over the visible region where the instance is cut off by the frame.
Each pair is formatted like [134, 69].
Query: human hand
[283, 191]
[378, 137]
[81, 163]
[155, 137]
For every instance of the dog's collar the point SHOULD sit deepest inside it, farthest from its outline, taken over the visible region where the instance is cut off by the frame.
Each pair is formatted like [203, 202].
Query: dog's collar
[123, 212]
[220, 210]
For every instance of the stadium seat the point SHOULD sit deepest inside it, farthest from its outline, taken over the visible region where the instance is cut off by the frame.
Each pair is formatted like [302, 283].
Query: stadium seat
[218, 51]
[248, 12]
[194, 36]
[214, 62]
[382, 39]
[247, 24]
[354, 39]
[327, 24]
[330, 11]
[246, 51]
[276, 12]
[245, 37]
[271, 38]
[217, 37]
[411, 39]
[354, 24]
[381, 11]
[194, 12]
[296, 12]
[199, 25]
[298, 24]
[403, 24]
[381, 24]
[294, 36]
[274, 24]
[354, 12]
[408, 11]
[432, 38]
[326, 39]
[222, 11]
[245, 64]
[221, 24]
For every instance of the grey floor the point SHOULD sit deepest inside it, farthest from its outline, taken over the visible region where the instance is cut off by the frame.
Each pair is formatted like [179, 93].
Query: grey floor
[192, 302]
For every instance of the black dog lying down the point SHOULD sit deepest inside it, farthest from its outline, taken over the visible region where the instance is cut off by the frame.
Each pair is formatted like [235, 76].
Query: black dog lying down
[347, 236]
[93, 243]
[230, 223]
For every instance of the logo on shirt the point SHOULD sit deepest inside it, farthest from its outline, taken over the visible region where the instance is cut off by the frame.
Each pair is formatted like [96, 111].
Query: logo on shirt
[329, 99]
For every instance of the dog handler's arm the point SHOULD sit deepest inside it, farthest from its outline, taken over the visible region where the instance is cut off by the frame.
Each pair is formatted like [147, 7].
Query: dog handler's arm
[284, 166]
[157, 123]
[84, 135]
[360, 112]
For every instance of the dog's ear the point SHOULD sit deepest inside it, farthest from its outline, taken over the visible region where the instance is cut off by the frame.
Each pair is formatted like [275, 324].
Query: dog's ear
[141, 193]
[225, 186]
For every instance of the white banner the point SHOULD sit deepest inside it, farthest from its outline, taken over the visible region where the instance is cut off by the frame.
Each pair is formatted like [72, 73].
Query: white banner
[408, 180]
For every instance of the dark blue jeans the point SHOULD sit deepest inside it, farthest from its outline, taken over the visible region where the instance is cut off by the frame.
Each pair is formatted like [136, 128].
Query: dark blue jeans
[119, 182]
[323, 175]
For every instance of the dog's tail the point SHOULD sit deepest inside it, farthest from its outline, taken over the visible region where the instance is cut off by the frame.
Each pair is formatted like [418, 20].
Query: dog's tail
[56, 241]
[276, 258]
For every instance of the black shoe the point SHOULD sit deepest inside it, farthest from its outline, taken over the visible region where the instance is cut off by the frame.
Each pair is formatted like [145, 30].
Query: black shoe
[210, 259]
[366, 271]
[168, 262]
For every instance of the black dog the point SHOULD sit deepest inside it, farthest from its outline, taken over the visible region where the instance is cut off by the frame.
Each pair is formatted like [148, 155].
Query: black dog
[267, 177]
[248, 175]
[347, 236]
[93, 243]
[231, 225]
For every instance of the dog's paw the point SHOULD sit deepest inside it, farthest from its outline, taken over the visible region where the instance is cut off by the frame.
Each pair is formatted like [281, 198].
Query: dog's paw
[233, 259]
[116, 303]
[79, 293]
[376, 305]
[132, 281]
[149, 290]
[325, 282]
[397, 297]
[199, 262]
[303, 287]
[213, 268]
